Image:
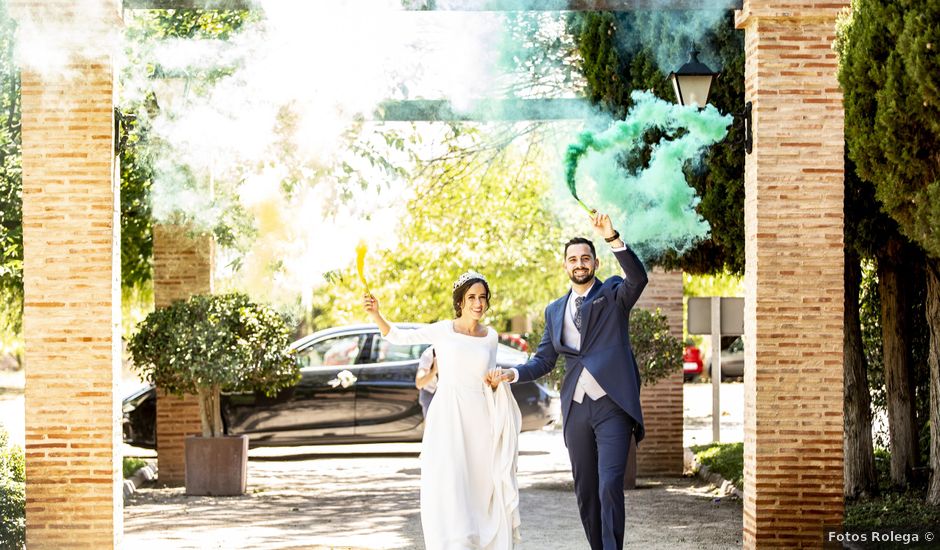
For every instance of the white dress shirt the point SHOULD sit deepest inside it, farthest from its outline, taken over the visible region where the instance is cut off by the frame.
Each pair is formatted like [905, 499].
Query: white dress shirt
[571, 337]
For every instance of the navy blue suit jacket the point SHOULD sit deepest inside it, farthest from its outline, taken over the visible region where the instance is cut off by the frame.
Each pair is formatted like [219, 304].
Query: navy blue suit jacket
[605, 341]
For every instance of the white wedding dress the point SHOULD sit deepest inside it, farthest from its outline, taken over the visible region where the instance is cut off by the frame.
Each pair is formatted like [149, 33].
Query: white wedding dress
[469, 495]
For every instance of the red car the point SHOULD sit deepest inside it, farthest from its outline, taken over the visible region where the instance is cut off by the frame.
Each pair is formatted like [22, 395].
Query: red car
[692, 365]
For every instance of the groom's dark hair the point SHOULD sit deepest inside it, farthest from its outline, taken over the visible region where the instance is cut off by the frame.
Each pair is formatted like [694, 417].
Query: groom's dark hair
[580, 240]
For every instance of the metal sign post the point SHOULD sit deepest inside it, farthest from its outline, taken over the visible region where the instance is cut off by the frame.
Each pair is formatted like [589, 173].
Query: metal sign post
[717, 316]
[716, 367]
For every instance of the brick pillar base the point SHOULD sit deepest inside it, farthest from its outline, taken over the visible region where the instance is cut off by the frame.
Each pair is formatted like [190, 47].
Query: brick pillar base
[182, 266]
[72, 310]
[660, 453]
[794, 280]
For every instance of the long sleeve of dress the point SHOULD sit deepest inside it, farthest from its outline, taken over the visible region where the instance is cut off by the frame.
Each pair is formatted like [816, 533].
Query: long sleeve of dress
[429, 334]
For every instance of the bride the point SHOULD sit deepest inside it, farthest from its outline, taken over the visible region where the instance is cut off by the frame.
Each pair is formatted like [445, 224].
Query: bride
[469, 496]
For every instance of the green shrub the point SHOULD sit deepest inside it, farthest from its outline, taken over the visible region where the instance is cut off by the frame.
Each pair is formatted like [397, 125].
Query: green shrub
[658, 353]
[725, 459]
[131, 465]
[214, 343]
[907, 509]
[12, 494]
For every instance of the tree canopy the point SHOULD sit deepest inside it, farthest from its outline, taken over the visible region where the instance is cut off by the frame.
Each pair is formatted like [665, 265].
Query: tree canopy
[484, 206]
[614, 66]
[890, 75]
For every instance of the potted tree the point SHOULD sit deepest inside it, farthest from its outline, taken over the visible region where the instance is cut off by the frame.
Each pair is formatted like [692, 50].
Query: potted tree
[206, 345]
[658, 355]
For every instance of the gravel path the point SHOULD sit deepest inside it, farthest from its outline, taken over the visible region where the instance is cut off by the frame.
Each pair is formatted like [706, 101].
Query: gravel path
[329, 499]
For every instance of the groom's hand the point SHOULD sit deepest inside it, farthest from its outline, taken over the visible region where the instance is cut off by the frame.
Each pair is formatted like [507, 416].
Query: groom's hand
[497, 376]
[603, 227]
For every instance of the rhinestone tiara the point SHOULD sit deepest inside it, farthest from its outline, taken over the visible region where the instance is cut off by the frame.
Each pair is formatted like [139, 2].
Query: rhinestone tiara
[468, 276]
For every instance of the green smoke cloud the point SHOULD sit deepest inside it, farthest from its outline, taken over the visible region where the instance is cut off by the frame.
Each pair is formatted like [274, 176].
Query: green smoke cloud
[653, 207]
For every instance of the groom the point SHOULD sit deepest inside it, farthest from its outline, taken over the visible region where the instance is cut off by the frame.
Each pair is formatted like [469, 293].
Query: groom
[600, 394]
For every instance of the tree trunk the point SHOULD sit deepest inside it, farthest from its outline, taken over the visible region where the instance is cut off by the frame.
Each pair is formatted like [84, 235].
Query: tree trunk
[895, 333]
[860, 478]
[933, 321]
[210, 411]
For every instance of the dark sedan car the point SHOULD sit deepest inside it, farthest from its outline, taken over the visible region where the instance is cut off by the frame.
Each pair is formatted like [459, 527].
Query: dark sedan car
[356, 387]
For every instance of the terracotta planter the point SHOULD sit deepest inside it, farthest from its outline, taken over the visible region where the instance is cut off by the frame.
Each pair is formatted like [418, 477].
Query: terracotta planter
[629, 475]
[216, 466]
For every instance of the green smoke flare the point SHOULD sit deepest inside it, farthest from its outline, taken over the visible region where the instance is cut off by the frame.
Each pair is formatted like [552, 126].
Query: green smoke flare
[654, 208]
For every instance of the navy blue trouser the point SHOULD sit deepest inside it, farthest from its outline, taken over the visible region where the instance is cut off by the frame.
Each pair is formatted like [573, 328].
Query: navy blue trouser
[598, 436]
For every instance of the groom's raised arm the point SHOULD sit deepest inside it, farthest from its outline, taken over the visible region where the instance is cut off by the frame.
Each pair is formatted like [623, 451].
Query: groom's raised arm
[634, 278]
[542, 362]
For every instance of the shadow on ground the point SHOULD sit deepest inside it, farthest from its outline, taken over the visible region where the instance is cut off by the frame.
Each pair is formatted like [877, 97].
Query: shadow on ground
[370, 500]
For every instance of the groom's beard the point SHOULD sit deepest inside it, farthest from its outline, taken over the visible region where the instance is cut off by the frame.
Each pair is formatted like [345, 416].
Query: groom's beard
[581, 278]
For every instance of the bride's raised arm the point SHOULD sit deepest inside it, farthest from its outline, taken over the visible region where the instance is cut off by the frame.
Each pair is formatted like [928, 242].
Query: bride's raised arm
[424, 335]
[372, 308]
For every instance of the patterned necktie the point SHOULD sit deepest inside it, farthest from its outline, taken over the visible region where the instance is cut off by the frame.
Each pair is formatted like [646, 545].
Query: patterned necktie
[577, 312]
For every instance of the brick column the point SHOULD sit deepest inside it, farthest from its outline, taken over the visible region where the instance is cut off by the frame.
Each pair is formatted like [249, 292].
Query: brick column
[182, 266]
[72, 313]
[660, 453]
[793, 281]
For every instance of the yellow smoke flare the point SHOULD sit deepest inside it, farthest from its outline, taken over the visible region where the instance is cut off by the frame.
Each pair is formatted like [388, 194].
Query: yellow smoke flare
[361, 249]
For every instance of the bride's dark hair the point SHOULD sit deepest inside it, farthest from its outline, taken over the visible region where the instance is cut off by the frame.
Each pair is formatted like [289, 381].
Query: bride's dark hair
[461, 291]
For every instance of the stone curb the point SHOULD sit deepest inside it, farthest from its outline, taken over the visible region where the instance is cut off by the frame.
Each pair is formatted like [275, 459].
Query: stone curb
[143, 474]
[724, 486]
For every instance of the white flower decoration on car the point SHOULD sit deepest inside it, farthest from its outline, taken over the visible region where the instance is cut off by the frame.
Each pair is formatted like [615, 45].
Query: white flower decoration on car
[343, 378]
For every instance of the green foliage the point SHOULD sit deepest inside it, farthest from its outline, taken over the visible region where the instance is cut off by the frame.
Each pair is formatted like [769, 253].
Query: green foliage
[136, 170]
[867, 228]
[533, 337]
[658, 353]
[142, 153]
[194, 24]
[873, 348]
[890, 509]
[224, 340]
[11, 204]
[717, 284]
[136, 220]
[614, 64]
[12, 494]
[481, 206]
[870, 317]
[893, 509]
[131, 464]
[889, 74]
[726, 459]
[541, 58]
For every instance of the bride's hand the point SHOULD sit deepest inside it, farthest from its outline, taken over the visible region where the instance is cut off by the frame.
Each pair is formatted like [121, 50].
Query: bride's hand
[371, 304]
[494, 377]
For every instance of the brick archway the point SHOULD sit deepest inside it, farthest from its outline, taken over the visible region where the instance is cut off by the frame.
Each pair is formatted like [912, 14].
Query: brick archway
[794, 186]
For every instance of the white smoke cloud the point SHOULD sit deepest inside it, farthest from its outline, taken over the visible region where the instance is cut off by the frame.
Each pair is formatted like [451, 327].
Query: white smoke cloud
[301, 78]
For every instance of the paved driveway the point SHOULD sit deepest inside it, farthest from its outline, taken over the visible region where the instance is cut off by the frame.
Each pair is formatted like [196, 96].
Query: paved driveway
[697, 413]
[367, 497]
[327, 498]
